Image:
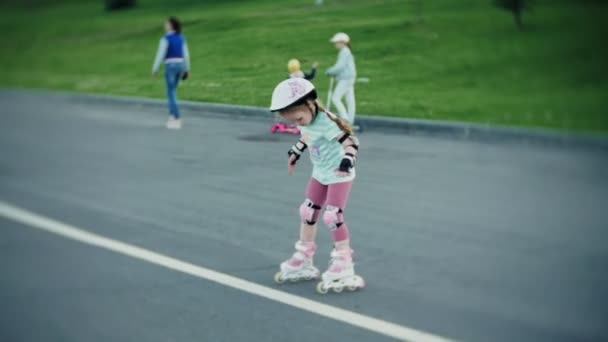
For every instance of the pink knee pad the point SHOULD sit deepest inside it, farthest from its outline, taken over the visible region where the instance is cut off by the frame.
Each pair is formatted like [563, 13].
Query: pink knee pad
[333, 217]
[309, 212]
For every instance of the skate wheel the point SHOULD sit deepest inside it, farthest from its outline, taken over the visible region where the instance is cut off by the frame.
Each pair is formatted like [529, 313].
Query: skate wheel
[308, 278]
[352, 288]
[278, 278]
[321, 288]
[338, 289]
[294, 280]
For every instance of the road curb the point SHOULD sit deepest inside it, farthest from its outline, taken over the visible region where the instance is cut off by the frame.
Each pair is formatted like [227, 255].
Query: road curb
[451, 130]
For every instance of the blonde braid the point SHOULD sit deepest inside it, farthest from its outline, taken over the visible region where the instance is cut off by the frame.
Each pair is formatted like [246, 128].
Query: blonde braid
[344, 126]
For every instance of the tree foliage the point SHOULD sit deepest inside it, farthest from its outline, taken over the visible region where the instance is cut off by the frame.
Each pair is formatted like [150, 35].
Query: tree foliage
[516, 7]
[112, 5]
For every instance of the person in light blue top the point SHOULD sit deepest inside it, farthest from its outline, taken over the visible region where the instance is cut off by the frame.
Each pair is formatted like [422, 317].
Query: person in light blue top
[333, 151]
[345, 72]
[173, 52]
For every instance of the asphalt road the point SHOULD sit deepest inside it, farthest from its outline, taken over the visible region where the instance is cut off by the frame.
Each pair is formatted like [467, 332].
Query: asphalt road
[469, 241]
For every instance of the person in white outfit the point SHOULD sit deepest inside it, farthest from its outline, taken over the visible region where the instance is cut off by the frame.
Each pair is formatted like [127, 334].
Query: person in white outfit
[345, 73]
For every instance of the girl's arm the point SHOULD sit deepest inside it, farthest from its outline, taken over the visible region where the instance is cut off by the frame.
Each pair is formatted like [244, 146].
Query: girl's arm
[160, 54]
[296, 150]
[350, 144]
[340, 64]
[312, 74]
[294, 154]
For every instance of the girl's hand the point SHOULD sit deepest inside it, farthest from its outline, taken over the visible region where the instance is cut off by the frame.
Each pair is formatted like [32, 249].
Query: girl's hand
[345, 166]
[342, 173]
[291, 164]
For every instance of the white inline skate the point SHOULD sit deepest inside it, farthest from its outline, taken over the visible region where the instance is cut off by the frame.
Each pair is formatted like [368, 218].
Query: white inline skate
[299, 266]
[341, 274]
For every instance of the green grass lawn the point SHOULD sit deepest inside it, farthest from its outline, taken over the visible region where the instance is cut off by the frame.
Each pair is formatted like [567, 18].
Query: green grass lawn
[465, 61]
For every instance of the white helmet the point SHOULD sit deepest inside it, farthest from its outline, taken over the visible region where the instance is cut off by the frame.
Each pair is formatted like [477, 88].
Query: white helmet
[340, 37]
[291, 91]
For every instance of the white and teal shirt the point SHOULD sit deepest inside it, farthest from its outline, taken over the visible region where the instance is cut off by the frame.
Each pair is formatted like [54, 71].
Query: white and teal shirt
[326, 152]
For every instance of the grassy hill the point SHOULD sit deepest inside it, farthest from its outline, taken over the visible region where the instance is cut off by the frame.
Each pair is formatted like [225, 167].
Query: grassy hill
[460, 60]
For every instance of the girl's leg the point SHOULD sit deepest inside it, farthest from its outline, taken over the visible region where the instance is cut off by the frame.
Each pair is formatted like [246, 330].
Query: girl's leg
[337, 197]
[171, 75]
[170, 92]
[350, 102]
[341, 270]
[300, 264]
[341, 265]
[336, 98]
[177, 72]
[309, 210]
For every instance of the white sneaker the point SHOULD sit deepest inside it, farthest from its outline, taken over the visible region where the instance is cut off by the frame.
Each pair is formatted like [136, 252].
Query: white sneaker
[174, 123]
[170, 121]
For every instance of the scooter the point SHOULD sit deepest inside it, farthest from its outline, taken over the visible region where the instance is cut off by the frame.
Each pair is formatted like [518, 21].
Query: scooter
[279, 127]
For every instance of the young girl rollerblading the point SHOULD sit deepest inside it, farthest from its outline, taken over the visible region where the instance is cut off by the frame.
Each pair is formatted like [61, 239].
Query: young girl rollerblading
[333, 152]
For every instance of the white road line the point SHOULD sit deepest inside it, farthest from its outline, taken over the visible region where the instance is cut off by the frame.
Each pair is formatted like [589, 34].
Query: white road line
[365, 322]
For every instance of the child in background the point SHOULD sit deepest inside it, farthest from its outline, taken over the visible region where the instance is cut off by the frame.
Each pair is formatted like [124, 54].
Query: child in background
[293, 66]
[333, 152]
[345, 73]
